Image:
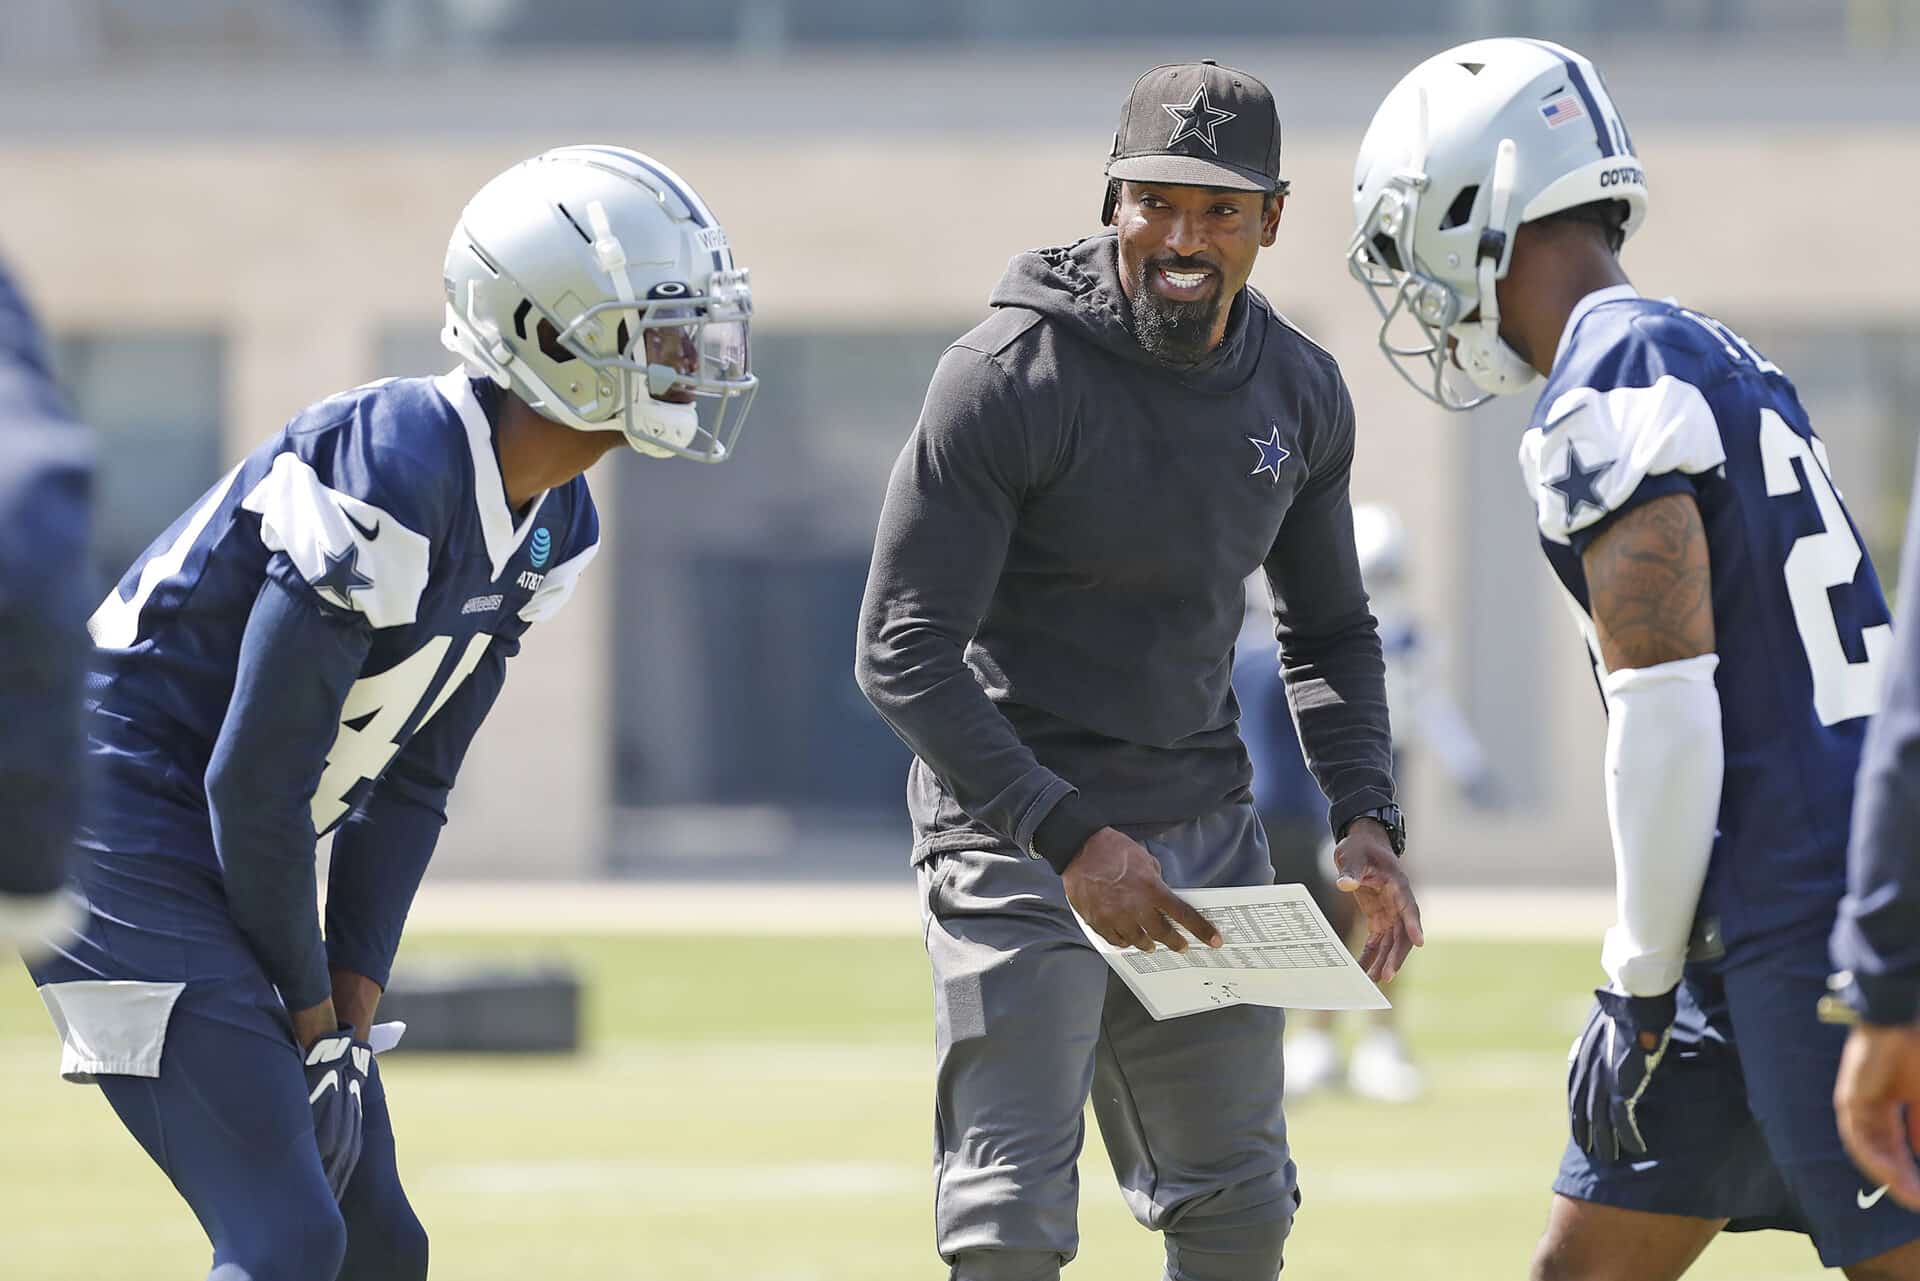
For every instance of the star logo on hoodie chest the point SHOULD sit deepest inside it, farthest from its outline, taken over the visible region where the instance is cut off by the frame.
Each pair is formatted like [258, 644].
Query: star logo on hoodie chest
[1272, 454]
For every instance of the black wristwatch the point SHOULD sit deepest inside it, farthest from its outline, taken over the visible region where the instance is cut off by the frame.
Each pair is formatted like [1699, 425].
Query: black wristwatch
[1387, 816]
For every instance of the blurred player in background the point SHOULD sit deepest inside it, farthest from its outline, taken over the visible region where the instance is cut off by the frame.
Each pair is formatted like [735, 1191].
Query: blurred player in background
[311, 648]
[1876, 942]
[1294, 811]
[1737, 628]
[44, 483]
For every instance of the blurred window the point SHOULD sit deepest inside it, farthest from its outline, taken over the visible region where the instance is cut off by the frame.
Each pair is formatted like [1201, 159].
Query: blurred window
[739, 585]
[156, 401]
[1502, 650]
[32, 30]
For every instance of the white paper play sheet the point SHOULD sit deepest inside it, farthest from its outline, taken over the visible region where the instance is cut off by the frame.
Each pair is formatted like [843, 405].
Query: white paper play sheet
[1276, 949]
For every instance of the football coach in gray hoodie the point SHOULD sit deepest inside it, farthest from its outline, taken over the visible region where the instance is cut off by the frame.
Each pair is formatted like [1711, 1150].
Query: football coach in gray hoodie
[1049, 623]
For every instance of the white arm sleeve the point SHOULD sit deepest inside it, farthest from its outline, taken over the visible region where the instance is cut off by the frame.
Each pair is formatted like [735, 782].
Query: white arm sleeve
[1665, 760]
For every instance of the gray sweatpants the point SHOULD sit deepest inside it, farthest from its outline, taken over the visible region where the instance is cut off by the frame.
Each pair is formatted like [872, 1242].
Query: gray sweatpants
[1028, 1020]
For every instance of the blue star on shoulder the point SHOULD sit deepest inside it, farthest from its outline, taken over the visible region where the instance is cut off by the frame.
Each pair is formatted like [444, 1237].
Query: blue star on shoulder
[343, 577]
[1272, 453]
[1576, 484]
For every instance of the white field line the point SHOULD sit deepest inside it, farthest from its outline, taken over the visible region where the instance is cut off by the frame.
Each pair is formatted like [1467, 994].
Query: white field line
[624, 1182]
[893, 908]
[660, 907]
[616, 1185]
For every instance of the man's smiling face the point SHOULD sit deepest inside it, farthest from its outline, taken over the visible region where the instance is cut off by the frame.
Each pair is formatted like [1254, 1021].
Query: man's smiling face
[1185, 252]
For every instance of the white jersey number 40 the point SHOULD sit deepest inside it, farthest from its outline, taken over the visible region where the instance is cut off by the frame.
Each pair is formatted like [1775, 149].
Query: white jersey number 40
[387, 701]
[1842, 690]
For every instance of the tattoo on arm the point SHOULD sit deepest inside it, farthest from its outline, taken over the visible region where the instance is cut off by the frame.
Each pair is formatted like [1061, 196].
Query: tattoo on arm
[1650, 586]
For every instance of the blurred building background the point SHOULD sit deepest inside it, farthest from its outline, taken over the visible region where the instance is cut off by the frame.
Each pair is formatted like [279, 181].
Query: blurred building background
[229, 208]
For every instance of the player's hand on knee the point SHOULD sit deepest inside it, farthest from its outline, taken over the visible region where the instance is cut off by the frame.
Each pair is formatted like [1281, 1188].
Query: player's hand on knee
[1115, 886]
[337, 1068]
[1369, 870]
[1612, 1068]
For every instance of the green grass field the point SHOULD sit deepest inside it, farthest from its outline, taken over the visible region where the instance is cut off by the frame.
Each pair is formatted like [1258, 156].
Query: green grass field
[756, 1110]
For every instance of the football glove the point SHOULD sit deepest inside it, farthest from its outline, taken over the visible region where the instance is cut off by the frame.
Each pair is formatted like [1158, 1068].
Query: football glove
[1612, 1066]
[337, 1068]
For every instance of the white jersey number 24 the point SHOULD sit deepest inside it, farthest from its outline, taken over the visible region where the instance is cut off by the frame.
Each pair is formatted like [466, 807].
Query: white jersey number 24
[1842, 690]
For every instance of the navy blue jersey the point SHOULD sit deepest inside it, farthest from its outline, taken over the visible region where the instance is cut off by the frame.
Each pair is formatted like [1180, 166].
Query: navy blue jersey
[317, 639]
[44, 482]
[385, 501]
[1648, 398]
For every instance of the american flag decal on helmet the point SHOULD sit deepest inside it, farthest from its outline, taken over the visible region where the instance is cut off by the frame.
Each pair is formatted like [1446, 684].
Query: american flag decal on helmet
[1561, 110]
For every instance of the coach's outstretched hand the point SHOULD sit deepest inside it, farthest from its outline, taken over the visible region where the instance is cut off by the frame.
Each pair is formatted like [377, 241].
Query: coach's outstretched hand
[337, 1068]
[1370, 871]
[1115, 885]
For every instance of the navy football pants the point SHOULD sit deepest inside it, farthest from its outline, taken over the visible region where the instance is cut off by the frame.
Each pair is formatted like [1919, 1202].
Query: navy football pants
[228, 1121]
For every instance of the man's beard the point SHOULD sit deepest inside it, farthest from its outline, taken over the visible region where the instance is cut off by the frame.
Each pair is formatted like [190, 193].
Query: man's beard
[1178, 333]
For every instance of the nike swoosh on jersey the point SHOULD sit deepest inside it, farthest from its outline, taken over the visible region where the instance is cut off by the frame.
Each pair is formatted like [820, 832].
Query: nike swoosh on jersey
[1867, 1200]
[362, 530]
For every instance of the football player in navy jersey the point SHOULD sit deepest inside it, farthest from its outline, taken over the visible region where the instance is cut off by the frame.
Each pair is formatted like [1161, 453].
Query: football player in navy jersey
[310, 648]
[44, 482]
[1737, 629]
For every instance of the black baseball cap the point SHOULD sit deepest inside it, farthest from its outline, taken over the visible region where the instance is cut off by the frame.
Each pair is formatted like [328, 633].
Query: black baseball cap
[1197, 124]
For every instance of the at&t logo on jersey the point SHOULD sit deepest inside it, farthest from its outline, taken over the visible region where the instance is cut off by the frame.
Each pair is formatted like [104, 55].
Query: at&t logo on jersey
[542, 546]
[529, 580]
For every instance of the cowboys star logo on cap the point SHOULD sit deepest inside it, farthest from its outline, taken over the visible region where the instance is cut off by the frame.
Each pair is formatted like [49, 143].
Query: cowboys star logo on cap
[1201, 97]
[1198, 119]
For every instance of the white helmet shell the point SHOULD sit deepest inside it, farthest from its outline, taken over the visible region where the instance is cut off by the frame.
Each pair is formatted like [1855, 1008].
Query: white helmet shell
[1469, 145]
[1380, 541]
[595, 283]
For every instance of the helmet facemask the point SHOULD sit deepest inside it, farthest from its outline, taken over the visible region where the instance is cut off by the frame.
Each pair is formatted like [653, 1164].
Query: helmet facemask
[656, 360]
[1416, 310]
[1424, 329]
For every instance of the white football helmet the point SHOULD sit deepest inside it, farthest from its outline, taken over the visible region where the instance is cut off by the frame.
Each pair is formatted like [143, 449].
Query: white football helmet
[595, 283]
[1469, 145]
[1380, 541]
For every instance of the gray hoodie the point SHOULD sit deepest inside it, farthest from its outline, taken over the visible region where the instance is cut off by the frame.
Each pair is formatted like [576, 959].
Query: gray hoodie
[1058, 575]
